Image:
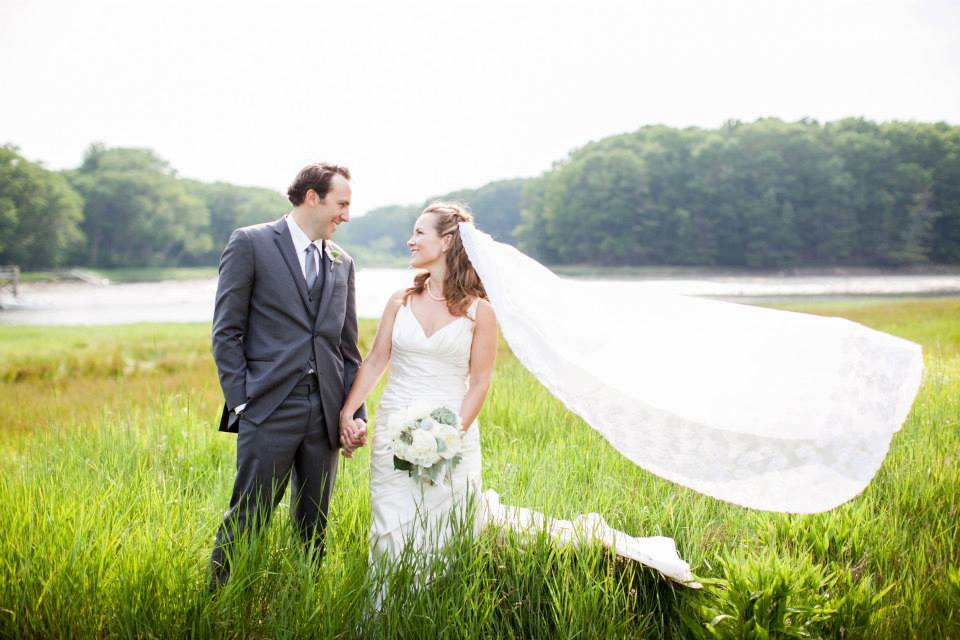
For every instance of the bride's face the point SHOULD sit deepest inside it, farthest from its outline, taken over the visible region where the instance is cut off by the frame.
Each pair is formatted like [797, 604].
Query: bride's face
[426, 246]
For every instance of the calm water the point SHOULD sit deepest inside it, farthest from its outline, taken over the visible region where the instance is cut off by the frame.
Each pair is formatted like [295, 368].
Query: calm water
[192, 300]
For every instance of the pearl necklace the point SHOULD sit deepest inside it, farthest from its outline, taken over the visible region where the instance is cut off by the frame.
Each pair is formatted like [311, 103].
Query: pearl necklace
[430, 293]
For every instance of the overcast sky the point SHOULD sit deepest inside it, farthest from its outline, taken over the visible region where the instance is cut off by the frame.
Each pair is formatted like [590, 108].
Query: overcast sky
[426, 97]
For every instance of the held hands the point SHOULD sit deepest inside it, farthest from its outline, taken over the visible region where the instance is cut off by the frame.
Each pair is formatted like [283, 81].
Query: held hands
[353, 435]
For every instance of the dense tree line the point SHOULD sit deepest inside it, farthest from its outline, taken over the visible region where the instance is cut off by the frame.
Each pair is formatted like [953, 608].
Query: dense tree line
[40, 214]
[766, 194]
[119, 208]
[381, 234]
[127, 207]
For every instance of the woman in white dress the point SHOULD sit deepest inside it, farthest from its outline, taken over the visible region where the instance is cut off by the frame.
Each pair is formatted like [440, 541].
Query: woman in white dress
[439, 338]
[767, 409]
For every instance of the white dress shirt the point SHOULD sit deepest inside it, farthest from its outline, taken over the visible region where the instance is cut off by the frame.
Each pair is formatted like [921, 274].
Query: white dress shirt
[300, 244]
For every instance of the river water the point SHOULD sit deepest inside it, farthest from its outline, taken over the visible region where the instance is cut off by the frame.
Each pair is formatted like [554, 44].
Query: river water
[77, 303]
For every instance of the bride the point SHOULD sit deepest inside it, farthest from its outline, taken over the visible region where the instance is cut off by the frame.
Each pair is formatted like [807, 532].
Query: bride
[439, 338]
[767, 409]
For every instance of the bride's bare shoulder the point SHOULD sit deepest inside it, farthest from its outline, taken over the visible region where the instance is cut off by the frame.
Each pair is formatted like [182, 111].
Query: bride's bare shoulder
[485, 305]
[395, 301]
[484, 311]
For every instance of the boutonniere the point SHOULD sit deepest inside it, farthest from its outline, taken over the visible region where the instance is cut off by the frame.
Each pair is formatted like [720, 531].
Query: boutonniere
[335, 256]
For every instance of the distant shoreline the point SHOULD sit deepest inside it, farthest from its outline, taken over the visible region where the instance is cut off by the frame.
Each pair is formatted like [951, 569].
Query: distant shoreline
[671, 272]
[158, 274]
[188, 295]
[114, 276]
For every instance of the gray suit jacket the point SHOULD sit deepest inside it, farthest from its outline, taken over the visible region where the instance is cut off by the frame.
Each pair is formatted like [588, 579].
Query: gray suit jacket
[264, 332]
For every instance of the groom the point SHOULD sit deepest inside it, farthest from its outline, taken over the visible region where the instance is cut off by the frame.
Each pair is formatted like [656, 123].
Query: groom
[285, 344]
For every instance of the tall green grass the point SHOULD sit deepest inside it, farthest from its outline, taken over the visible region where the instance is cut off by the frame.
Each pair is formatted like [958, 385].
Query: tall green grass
[113, 480]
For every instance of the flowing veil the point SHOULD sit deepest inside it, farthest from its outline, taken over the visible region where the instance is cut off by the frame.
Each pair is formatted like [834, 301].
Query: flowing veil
[768, 409]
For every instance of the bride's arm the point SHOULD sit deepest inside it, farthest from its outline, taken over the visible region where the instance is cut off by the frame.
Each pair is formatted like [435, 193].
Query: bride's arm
[375, 363]
[483, 353]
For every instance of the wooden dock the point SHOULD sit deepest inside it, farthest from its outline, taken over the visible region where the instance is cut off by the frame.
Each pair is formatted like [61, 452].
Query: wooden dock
[9, 279]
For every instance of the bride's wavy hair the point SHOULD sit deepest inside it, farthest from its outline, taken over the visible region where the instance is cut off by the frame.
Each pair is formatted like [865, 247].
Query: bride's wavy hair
[461, 283]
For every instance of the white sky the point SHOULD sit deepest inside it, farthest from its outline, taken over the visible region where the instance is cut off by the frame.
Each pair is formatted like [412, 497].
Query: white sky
[426, 97]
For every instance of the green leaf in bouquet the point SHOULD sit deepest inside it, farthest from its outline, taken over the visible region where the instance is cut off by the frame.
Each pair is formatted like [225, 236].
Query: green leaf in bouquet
[401, 464]
[443, 415]
[434, 471]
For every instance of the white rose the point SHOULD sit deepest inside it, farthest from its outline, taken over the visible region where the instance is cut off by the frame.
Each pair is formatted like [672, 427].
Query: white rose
[451, 439]
[423, 450]
[401, 450]
[419, 410]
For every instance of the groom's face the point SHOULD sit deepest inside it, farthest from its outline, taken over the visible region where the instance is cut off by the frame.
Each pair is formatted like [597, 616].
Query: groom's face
[334, 208]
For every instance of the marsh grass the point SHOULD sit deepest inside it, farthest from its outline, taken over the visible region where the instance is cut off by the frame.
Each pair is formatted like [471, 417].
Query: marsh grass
[113, 479]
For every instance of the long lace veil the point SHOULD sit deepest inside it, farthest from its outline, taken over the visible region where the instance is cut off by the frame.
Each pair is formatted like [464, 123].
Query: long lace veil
[768, 409]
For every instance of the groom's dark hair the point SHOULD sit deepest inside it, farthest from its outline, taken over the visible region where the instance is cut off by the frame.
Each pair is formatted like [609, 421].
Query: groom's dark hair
[315, 176]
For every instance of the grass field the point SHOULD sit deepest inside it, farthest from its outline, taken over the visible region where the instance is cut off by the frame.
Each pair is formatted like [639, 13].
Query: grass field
[113, 479]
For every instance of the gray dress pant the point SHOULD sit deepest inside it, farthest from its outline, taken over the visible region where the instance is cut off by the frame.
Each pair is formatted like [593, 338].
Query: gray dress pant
[292, 444]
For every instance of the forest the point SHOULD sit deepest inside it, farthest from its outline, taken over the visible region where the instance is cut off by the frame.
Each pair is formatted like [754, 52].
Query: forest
[767, 194]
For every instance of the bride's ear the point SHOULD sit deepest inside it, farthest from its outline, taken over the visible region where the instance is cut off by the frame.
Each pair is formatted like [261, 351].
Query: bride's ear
[446, 242]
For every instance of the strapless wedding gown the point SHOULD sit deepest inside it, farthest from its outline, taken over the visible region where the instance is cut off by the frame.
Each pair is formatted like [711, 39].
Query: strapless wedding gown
[435, 369]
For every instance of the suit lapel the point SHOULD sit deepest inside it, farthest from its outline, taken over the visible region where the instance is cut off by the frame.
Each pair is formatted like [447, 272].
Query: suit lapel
[285, 245]
[329, 283]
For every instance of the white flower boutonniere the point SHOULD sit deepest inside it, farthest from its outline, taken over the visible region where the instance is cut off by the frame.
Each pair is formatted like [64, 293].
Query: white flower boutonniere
[335, 256]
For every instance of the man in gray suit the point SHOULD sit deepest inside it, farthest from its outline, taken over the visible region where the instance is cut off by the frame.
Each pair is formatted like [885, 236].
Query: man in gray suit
[285, 344]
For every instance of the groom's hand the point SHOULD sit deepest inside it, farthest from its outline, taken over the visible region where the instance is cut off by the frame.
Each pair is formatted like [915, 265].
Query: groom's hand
[346, 443]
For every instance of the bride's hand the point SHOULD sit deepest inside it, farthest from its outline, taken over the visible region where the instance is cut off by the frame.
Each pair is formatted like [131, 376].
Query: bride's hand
[361, 431]
[353, 434]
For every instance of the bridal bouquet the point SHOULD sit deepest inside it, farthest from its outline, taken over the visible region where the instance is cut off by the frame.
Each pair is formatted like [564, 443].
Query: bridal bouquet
[427, 443]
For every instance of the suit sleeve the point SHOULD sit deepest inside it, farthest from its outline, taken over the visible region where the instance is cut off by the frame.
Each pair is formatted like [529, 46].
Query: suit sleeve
[230, 312]
[349, 349]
